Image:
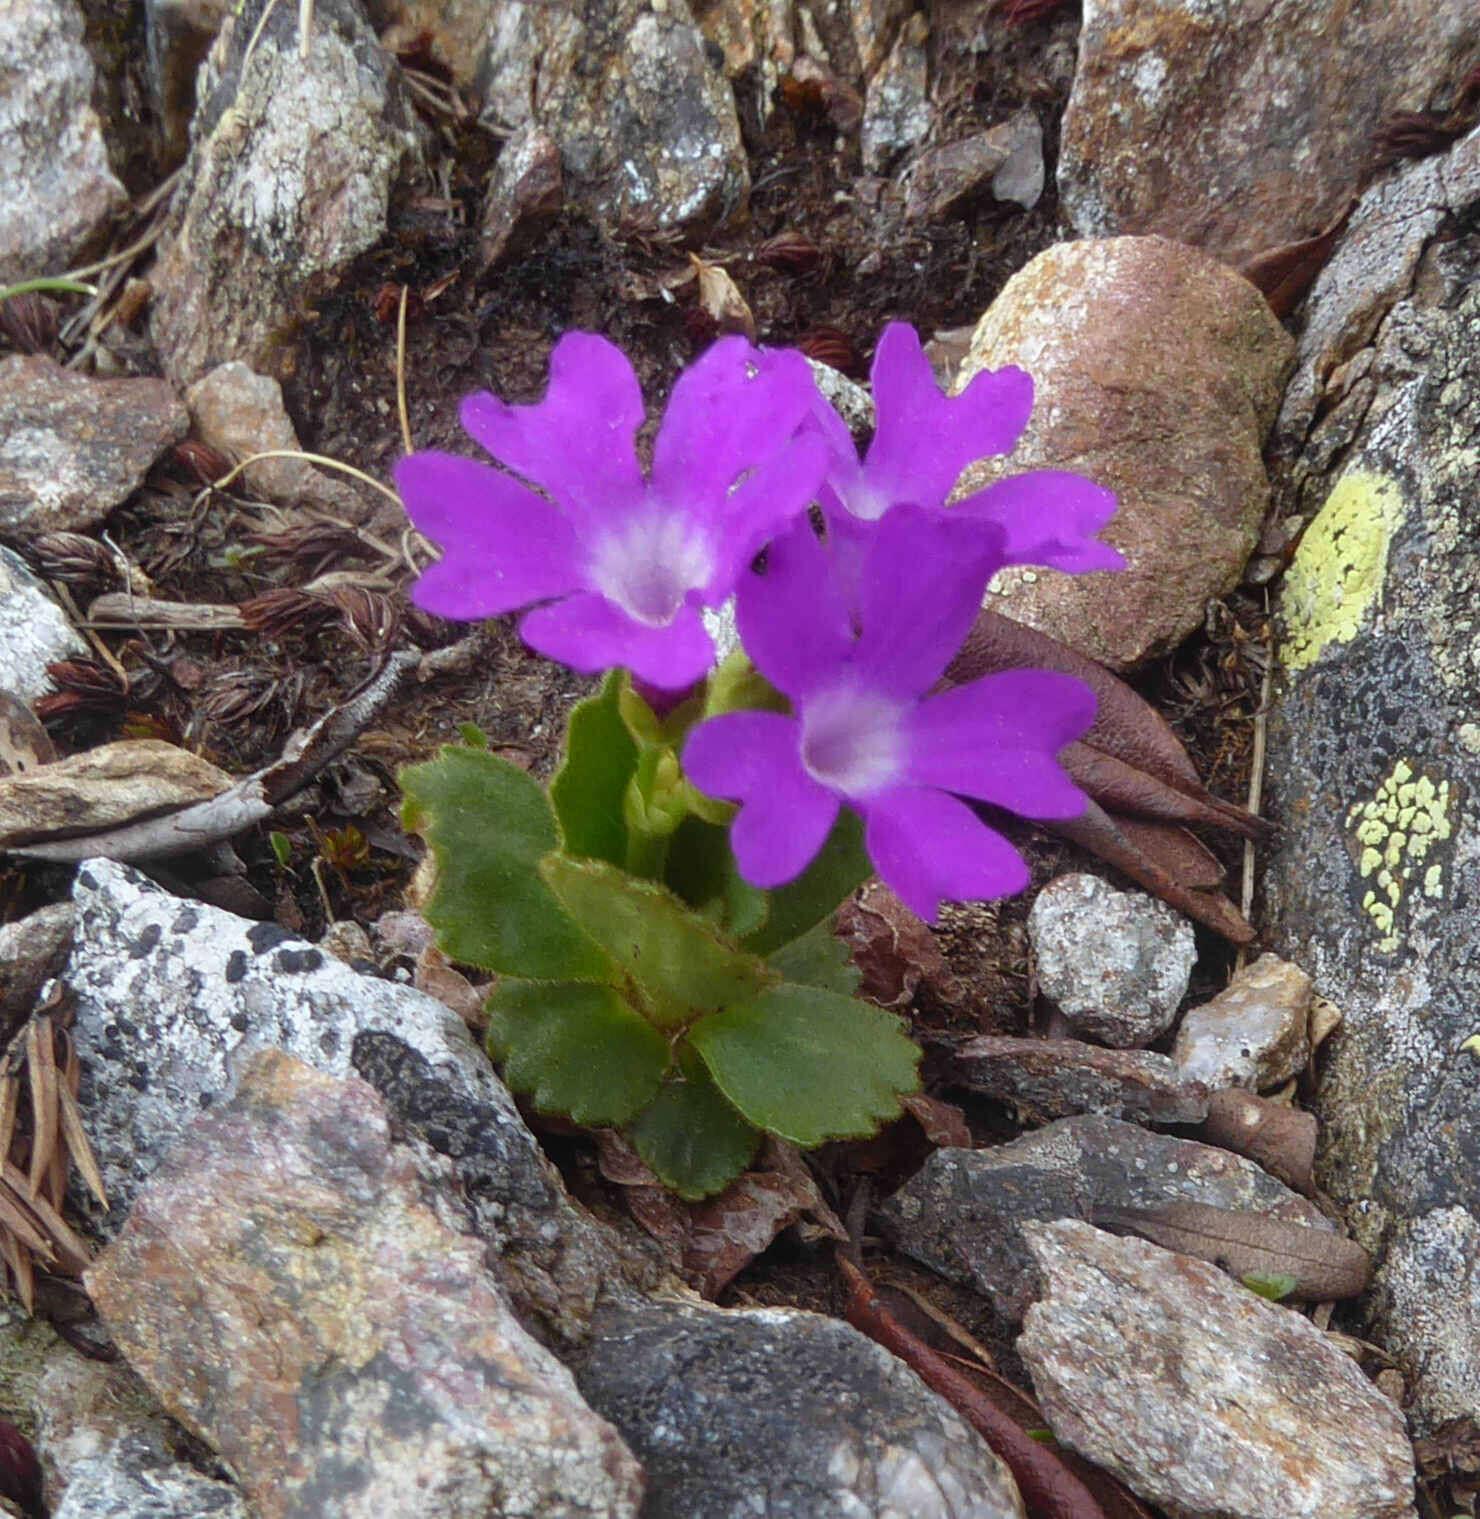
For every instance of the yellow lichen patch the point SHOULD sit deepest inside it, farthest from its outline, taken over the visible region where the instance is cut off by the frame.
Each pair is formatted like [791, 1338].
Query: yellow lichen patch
[1397, 830]
[1337, 573]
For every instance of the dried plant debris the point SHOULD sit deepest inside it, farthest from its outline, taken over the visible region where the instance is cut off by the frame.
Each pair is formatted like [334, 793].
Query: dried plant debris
[41, 1138]
[1143, 786]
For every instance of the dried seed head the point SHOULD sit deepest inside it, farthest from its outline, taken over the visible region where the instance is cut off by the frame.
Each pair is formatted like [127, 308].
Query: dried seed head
[828, 345]
[1412, 134]
[201, 461]
[789, 252]
[83, 685]
[235, 695]
[370, 618]
[312, 545]
[72, 557]
[30, 321]
[276, 613]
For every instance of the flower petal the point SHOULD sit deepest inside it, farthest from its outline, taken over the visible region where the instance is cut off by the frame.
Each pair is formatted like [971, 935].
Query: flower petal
[925, 439]
[729, 410]
[997, 738]
[929, 847]
[776, 491]
[504, 546]
[577, 443]
[793, 621]
[589, 634]
[1050, 517]
[920, 590]
[785, 816]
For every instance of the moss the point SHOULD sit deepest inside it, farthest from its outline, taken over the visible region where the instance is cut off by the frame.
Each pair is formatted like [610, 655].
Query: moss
[1337, 574]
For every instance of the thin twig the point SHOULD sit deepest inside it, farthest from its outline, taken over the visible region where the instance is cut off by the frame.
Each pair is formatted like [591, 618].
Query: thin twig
[401, 371]
[305, 28]
[267, 10]
[322, 460]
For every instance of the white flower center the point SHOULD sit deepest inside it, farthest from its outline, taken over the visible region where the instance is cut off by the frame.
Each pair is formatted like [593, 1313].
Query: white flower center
[853, 741]
[650, 563]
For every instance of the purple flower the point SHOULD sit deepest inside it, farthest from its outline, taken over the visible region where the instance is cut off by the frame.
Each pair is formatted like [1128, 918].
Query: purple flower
[614, 564]
[862, 730]
[922, 442]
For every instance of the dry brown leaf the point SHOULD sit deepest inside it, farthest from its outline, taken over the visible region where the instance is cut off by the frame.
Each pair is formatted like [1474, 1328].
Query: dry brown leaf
[721, 299]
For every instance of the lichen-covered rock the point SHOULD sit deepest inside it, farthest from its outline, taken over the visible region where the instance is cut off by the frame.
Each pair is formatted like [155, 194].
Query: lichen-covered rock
[1157, 372]
[1115, 963]
[289, 179]
[962, 1213]
[361, 1360]
[1200, 1396]
[1374, 779]
[897, 114]
[34, 630]
[724, 1405]
[56, 189]
[1254, 1033]
[171, 996]
[71, 447]
[1238, 126]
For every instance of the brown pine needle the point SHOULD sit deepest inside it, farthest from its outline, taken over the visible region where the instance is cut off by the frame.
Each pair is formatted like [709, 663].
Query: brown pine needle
[42, 1072]
[78, 1147]
[401, 371]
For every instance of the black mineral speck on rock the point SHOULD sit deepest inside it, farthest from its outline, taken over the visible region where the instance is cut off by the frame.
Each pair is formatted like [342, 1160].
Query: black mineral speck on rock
[185, 921]
[293, 961]
[236, 967]
[265, 936]
[146, 941]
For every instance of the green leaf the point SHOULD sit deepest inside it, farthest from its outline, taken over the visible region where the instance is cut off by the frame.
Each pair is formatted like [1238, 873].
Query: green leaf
[282, 848]
[576, 1049]
[588, 788]
[737, 686]
[1273, 1285]
[488, 825]
[472, 735]
[808, 1064]
[647, 728]
[841, 866]
[702, 870]
[677, 960]
[691, 1137]
[818, 958]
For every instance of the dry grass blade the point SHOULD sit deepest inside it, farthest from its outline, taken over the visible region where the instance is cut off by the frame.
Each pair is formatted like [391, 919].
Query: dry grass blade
[77, 1146]
[41, 1069]
[10, 1102]
[64, 1242]
[18, 1259]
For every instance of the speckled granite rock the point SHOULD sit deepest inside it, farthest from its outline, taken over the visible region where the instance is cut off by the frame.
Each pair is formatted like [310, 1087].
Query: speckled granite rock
[33, 630]
[172, 996]
[288, 181]
[723, 1406]
[1374, 767]
[1200, 1396]
[362, 1361]
[56, 189]
[1238, 125]
[962, 1213]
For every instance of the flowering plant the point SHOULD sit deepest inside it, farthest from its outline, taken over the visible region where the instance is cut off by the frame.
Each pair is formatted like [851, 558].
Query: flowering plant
[666, 963]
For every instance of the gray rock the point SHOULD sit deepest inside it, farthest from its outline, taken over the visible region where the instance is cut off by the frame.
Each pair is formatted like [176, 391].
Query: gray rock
[526, 189]
[1371, 269]
[1056, 1078]
[171, 996]
[897, 114]
[34, 630]
[1010, 155]
[726, 1406]
[287, 183]
[1200, 1396]
[963, 1213]
[1238, 127]
[73, 448]
[180, 33]
[242, 413]
[362, 1361]
[1374, 759]
[1253, 1034]
[56, 189]
[645, 124]
[1157, 372]
[1115, 963]
[110, 1452]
